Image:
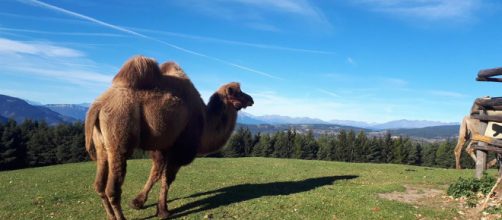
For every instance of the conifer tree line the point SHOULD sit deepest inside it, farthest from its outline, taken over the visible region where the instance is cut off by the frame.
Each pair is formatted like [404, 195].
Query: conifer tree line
[347, 146]
[33, 143]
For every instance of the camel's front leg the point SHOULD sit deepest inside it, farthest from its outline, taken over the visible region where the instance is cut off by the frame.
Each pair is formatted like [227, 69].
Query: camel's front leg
[158, 164]
[168, 177]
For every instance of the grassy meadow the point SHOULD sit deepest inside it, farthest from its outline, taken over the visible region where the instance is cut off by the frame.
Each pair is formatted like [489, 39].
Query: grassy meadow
[235, 188]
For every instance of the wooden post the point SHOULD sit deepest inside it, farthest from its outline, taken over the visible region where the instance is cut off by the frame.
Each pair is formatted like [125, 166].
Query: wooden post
[481, 154]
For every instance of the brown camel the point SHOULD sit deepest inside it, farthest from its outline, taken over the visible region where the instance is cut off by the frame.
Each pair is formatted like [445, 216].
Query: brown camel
[468, 128]
[162, 113]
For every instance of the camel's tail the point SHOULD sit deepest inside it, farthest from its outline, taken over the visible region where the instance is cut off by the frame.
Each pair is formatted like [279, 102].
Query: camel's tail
[90, 122]
[138, 73]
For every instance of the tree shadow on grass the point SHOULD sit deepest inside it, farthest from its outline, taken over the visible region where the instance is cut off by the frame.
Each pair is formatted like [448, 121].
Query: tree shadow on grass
[243, 192]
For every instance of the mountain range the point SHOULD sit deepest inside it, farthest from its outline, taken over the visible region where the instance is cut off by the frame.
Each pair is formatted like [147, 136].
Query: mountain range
[20, 110]
[246, 118]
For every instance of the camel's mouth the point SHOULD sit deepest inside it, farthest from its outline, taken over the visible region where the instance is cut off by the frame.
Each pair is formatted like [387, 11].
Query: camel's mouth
[244, 102]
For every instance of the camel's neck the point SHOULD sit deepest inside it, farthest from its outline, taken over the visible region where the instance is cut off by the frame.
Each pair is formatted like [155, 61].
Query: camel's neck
[219, 124]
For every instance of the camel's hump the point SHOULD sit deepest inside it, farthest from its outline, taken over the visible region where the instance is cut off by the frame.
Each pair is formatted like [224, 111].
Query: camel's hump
[138, 72]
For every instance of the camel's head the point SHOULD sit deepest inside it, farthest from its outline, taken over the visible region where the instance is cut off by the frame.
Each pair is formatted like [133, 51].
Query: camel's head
[233, 95]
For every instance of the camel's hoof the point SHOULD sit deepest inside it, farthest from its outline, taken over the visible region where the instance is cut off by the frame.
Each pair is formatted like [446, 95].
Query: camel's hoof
[163, 214]
[137, 204]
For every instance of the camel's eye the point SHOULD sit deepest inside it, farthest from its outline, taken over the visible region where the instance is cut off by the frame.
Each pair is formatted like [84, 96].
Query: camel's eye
[231, 91]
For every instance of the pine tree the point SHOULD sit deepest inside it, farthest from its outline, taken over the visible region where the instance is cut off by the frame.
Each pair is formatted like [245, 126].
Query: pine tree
[429, 155]
[387, 148]
[11, 146]
[281, 145]
[351, 146]
[40, 147]
[299, 147]
[248, 141]
[415, 155]
[268, 148]
[444, 155]
[263, 143]
[342, 151]
[236, 145]
[361, 147]
[311, 147]
[324, 152]
[375, 151]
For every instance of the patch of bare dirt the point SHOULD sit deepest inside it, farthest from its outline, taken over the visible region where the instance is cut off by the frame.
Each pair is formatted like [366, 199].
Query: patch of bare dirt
[437, 199]
[412, 194]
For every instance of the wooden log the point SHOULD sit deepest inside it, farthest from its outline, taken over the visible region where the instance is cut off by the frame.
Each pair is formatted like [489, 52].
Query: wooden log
[488, 148]
[484, 117]
[481, 154]
[490, 72]
[488, 79]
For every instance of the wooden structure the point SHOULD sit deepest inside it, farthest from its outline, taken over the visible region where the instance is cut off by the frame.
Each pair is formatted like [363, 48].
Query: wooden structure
[488, 110]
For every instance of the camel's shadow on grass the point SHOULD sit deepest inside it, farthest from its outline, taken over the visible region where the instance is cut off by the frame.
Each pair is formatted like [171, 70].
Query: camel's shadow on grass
[243, 192]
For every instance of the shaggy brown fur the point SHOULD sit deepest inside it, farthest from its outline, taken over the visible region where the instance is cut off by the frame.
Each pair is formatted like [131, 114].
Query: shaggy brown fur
[159, 112]
[138, 73]
[468, 128]
[172, 69]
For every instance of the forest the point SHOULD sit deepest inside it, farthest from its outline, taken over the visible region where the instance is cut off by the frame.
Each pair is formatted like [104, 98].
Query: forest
[33, 144]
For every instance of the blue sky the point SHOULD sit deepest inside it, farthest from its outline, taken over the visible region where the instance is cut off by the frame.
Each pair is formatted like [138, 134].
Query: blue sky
[366, 60]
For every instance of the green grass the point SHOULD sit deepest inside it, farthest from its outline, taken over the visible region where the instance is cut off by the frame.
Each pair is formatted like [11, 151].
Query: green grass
[243, 188]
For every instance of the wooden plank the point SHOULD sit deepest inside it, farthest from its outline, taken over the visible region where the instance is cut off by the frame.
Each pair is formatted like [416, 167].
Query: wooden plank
[490, 72]
[488, 148]
[481, 154]
[484, 117]
[488, 79]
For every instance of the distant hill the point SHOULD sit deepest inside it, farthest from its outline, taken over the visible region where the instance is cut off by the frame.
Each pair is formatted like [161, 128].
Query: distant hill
[360, 124]
[246, 118]
[76, 111]
[436, 132]
[317, 129]
[20, 110]
[410, 124]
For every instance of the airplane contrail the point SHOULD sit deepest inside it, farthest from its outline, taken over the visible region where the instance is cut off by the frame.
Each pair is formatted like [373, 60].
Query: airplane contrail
[241, 43]
[125, 30]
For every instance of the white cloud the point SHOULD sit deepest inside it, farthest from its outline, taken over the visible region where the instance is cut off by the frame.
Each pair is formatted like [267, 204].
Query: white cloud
[351, 61]
[395, 82]
[85, 34]
[299, 7]
[36, 48]
[432, 10]
[448, 94]
[233, 42]
[257, 11]
[50, 62]
[328, 92]
[140, 35]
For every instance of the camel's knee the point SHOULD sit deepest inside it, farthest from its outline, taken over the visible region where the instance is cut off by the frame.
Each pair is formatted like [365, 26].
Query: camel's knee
[113, 196]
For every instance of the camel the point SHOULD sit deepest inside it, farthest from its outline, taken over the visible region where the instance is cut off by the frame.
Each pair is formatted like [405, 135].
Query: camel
[468, 128]
[159, 112]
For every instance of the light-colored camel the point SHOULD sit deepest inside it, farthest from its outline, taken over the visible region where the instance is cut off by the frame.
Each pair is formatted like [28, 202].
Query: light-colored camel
[162, 113]
[468, 128]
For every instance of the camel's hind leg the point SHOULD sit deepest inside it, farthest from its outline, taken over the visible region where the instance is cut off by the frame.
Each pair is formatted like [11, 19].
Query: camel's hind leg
[100, 185]
[116, 174]
[168, 177]
[102, 174]
[158, 162]
[462, 136]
